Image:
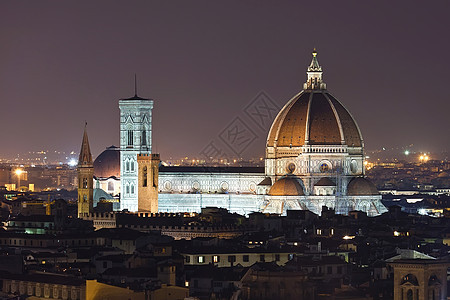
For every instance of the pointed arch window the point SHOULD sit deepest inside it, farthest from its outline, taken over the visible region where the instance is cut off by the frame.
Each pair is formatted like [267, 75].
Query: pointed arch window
[127, 189]
[132, 189]
[127, 166]
[132, 166]
[85, 183]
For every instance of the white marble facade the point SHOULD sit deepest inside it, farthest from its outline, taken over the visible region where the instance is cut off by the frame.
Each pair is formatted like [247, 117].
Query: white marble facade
[313, 138]
[190, 191]
[209, 183]
[135, 138]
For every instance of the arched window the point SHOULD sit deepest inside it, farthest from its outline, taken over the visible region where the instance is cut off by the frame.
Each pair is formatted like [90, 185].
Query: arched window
[144, 176]
[144, 137]
[130, 138]
[132, 166]
[132, 189]
[128, 189]
[409, 295]
[127, 166]
[85, 183]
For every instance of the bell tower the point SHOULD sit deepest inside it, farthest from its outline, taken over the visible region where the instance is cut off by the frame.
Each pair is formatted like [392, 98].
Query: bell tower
[148, 165]
[85, 172]
[135, 138]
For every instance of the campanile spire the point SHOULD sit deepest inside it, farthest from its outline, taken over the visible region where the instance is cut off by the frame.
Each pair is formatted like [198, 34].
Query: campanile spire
[85, 152]
[315, 81]
[85, 172]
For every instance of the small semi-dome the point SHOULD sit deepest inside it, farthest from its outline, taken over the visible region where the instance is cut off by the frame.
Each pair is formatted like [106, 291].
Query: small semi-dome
[325, 181]
[443, 175]
[288, 185]
[107, 164]
[361, 186]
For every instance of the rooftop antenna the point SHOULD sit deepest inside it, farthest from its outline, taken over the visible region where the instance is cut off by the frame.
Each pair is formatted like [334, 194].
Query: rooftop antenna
[135, 85]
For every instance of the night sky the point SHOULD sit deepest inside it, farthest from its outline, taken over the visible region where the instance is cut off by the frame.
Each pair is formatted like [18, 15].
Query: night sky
[63, 63]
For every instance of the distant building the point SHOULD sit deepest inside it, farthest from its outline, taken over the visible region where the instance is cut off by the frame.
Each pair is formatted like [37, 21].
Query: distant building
[269, 281]
[417, 279]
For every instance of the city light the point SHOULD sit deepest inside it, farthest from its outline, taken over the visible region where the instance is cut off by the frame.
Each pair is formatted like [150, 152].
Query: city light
[18, 173]
[406, 152]
[367, 165]
[424, 158]
[73, 162]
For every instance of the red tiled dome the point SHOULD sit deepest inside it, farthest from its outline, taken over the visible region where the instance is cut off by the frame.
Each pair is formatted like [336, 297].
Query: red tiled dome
[288, 185]
[325, 181]
[360, 186]
[316, 117]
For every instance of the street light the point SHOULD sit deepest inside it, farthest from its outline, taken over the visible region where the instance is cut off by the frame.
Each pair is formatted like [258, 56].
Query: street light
[18, 173]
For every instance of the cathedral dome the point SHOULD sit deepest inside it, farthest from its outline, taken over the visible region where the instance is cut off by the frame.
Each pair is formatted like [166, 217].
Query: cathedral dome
[314, 117]
[361, 186]
[288, 185]
[107, 164]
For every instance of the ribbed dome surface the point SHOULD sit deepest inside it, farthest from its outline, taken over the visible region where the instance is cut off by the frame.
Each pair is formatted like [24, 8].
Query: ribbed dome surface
[316, 117]
[107, 164]
[288, 185]
[360, 186]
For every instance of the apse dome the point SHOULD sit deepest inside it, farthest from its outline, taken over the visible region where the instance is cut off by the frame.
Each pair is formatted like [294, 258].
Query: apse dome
[288, 185]
[107, 164]
[325, 181]
[314, 117]
[361, 186]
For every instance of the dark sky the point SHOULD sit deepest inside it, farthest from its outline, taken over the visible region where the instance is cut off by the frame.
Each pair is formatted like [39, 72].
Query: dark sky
[63, 63]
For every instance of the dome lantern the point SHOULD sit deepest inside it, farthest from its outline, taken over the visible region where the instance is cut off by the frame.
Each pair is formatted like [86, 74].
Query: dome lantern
[315, 81]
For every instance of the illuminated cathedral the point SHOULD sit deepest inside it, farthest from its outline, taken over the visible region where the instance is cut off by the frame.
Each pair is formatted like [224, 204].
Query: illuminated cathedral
[314, 158]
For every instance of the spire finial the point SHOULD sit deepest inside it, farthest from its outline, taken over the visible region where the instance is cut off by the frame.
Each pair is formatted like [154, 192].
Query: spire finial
[314, 72]
[135, 85]
[85, 152]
